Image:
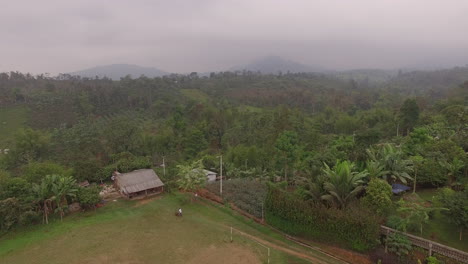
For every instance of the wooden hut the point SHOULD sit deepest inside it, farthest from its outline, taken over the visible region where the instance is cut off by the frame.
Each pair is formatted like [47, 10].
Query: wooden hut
[139, 183]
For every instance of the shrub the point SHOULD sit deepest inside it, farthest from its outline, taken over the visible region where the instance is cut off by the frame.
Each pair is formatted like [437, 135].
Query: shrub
[88, 197]
[378, 195]
[398, 244]
[432, 260]
[354, 227]
[34, 172]
[86, 170]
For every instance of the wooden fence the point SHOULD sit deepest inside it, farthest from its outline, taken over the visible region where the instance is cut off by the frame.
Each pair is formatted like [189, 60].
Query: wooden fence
[431, 246]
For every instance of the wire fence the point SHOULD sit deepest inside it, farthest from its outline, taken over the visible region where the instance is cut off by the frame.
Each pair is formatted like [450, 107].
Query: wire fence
[233, 231]
[429, 245]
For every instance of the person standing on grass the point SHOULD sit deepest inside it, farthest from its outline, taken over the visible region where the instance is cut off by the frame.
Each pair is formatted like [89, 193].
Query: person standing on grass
[180, 211]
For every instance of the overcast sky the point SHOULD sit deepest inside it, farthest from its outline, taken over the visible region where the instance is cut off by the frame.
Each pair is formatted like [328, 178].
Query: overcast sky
[207, 35]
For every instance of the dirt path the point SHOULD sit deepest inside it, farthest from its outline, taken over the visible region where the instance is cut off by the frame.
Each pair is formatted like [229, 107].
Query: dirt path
[287, 250]
[343, 256]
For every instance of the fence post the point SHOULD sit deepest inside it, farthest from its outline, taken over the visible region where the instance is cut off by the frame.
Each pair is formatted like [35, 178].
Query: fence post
[231, 234]
[386, 238]
[430, 249]
[268, 255]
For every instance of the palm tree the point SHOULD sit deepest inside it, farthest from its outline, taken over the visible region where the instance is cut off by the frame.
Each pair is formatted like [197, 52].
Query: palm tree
[453, 168]
[63, 187]
[342, 183]
[375, 169]
[392, 160]
[53, 192]
[44, 197]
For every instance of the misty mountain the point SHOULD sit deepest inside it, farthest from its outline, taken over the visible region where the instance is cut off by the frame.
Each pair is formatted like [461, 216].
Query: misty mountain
[117, 71]
[275, 64]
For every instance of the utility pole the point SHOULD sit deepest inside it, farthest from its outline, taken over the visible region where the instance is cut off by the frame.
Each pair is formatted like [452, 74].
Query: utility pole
[164, 168]
[221, 175]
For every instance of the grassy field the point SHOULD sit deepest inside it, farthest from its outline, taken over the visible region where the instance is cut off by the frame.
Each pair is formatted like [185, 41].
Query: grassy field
[148, 232]
[439, 228]
[11, 119]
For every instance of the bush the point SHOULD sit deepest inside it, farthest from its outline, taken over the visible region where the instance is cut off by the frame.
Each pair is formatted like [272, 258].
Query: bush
[378, 195]
[355, 227]
[88, 197]
[16, 187]
[34, 172]
[432, 260]
[86, 170]
[13, 212]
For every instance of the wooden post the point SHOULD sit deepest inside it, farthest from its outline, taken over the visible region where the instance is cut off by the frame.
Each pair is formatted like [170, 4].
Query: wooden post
[386, 247]
[231, 234]
[268, 255]
[262, 214]
[221, 178]
[430, 249]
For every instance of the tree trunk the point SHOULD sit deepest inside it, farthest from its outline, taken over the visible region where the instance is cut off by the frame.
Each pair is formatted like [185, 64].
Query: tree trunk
[414, 181]
[46, 211]
[461, 233]
[286, 172]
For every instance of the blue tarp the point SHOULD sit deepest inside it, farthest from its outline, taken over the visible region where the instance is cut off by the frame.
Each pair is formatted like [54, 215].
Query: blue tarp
[398, 188]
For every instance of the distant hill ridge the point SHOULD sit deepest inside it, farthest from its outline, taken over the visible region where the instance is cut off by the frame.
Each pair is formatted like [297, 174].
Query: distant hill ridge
[117, 71]
[276, 64]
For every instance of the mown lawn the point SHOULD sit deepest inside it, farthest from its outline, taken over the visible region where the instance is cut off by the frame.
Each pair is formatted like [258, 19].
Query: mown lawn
[146, 232]
[11, 119]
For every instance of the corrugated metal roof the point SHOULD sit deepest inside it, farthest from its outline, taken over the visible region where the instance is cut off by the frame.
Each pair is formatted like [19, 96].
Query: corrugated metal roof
[138, 180]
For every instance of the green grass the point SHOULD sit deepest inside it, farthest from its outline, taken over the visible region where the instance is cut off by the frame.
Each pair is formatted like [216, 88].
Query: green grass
[439, 228]
[196, 95]
[135, 232]
[11, 119]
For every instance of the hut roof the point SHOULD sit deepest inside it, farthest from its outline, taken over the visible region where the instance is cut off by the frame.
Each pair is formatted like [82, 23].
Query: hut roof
[138, 180]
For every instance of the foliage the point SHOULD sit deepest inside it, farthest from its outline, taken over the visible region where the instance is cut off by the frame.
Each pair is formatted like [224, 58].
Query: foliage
[88, 197]
[432, 260]
[354, 227]
[393, 161]
[248, 195]
[457, 205]
[398, 244]
[192, 176]
[53, 193]
[409, 114]
[15, 187]
[86, 170]
[30, 145]
[14, 212]
[342, 183]
[414, 213]
[34, 172]
[378, 195]
[287, 146]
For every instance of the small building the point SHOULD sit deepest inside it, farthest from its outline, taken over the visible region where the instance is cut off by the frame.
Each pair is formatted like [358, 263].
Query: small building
[210, 175]
[139, 183]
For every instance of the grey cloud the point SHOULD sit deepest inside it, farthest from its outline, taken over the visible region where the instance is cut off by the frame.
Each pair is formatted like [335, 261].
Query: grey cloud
[204, 35]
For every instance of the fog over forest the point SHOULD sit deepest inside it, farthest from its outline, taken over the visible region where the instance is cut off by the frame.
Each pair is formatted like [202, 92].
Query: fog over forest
[207, 35]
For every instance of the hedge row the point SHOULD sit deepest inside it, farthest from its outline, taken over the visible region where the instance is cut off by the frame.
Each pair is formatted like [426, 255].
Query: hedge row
[355, 227]
[246, 194]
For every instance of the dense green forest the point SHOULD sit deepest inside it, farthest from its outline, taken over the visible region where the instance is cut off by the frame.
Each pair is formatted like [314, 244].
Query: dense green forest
[327, 136]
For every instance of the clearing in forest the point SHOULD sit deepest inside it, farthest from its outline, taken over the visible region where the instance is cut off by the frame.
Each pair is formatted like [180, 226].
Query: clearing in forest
[135, 232]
